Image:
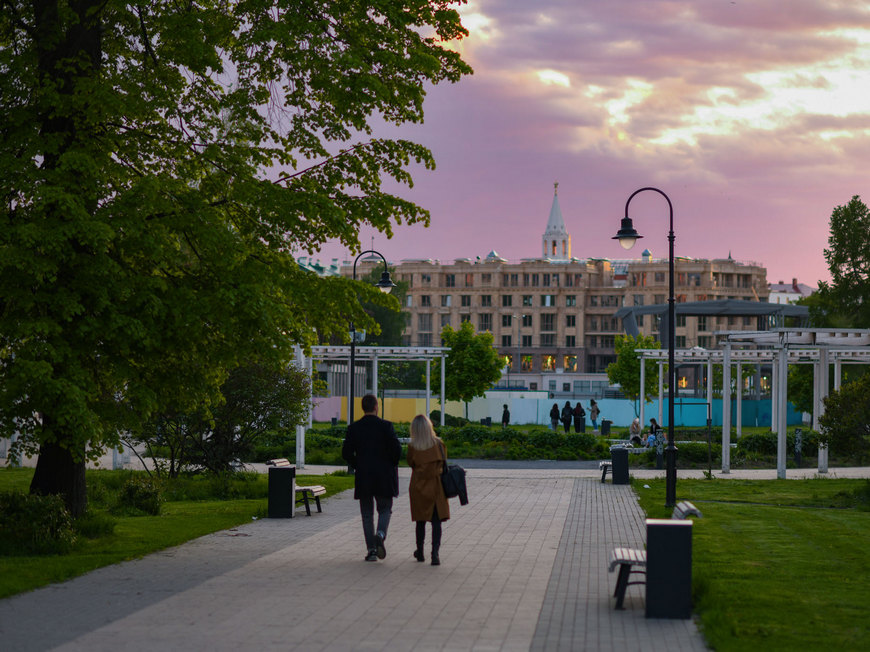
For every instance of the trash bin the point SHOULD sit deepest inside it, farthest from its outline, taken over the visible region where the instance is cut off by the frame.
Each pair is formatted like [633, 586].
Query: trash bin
[282, 492]
[335, 421]
[582, 422]
[619, 462]
[668, 568]
[486, 421]
[605, 427]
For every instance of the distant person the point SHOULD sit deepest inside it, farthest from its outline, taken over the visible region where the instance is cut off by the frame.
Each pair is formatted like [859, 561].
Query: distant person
[567, 415]
[555, 415]
[426, 456]
[371, 447]
[579, 418]
[634, 432]
[654, 433]
[593, 413]
[505, 417]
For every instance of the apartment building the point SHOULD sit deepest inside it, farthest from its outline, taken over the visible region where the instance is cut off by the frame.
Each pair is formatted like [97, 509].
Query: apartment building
[552, 317]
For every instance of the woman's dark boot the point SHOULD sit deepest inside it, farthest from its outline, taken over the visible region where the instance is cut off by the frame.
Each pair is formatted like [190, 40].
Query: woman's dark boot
[436, 561]
[421, 538]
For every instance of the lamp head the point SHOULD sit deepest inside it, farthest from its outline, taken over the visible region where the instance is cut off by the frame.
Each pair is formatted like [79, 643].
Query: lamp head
[386, 284]
[627, 235]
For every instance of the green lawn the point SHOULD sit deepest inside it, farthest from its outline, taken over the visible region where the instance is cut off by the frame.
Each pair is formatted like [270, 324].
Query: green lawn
[778, 564]
[137, 536]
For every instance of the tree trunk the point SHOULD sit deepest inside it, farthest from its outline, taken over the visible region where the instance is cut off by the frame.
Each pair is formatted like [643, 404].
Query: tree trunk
[57, 473]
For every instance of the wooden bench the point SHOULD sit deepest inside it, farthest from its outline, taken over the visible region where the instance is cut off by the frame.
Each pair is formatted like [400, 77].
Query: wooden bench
[303, 494]
[605, 467]
[632, 560]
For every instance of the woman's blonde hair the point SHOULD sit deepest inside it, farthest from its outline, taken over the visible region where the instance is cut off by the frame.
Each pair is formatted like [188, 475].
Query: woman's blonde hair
[422, 433]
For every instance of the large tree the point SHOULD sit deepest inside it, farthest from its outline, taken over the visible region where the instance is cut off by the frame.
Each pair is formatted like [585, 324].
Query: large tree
[159, 163]
[473, 364]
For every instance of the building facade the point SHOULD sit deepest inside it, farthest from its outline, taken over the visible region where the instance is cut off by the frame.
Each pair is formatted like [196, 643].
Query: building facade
[552, 317]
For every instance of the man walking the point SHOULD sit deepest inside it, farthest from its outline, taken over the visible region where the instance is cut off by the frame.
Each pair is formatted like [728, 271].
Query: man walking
[372, 449]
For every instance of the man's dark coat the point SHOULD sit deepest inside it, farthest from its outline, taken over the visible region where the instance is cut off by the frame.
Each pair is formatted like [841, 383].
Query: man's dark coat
[372, 449]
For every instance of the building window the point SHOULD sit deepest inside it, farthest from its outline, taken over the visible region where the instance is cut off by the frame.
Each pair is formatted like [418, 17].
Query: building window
[409, 301]
[570, 341]
[681, 320]
[680, 341]
[469, 280]
[546, 280]
[527, 321]
[658, 298]
[426, 301]
[593, 300]
[702, 323]
[486, 279]
[555, 280]
[570, 321]
[506, 321]
[548, 339]
[526, 363]
[426, 279]
[592, 324]
[607, 342]
[638, 299]
[571, 300]
[505, 341]
[534, 280]
[450, 280]
[424, 322]
[570, 364]
[548, 300]
[548, 322]
[464, 318]
[548, 363]
[704, 341]
[486, 300]
[660, 277]
[465, 300]
[566, 387]
[446, 300]
[445, 320]
[484, 321]
[525, 280]
[508, 360]
[507, 300]
[527, 341]
[533, 387]
[424, 339]
[591, 342]
[527, 299]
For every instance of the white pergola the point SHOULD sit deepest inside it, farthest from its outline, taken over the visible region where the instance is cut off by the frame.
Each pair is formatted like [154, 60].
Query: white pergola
[372, 354]
[819, 347]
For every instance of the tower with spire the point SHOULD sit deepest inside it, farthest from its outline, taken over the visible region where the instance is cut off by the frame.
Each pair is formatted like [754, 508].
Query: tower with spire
[556, 241]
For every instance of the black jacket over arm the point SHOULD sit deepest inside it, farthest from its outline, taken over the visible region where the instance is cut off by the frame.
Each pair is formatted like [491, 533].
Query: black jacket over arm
[373, 450]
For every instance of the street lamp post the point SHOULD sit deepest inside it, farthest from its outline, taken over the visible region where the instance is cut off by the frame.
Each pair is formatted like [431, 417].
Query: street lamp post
[384, 285]
[627, 236]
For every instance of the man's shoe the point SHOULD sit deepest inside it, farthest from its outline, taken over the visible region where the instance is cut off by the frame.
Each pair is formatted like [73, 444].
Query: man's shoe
[380, 550]
[372, 556]
[436, 561]
[418, 555]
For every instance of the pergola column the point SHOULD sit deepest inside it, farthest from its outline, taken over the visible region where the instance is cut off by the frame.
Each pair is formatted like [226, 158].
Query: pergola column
[824, 384]
[726, 408]
[738, 427]
[781, 392]
[774, 387]
[661, 392]
[642, 387]
[441, 396]
[428, 391]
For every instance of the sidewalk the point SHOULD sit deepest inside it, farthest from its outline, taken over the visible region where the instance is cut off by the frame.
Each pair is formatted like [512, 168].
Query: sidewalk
[523, 567]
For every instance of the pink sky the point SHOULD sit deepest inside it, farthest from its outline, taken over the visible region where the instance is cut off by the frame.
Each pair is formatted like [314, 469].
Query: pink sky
[753, 117]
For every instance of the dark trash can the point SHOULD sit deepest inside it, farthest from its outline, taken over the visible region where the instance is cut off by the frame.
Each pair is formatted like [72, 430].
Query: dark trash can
[282, 492]
[668, 568]
[486, 421]
[579, 424]
[605, 427]
[619, 468]
[335, 421]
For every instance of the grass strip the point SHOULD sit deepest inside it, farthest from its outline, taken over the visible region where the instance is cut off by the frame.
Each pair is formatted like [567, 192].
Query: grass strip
[768, 571]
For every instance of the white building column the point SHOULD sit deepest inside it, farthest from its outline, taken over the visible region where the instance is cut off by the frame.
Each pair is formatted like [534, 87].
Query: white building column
[726, 408]
[375, 375]
[710, 387]
[781, 393]
[428, 390]
[302, 364]
[642, 387]
[774, 384]
[738, 427]
[441, 397]
[824, 384]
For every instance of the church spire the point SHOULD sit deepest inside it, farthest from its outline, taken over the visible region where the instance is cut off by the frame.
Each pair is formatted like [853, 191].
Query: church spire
[556, 241]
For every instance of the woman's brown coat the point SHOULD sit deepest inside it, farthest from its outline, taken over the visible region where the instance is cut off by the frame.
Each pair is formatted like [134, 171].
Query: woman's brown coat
[425, 490]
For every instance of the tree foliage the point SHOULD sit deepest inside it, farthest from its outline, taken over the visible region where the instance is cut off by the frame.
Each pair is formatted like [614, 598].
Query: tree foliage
[625, 372]
[159, 163]
[390, 318]
[473, 364]
[258, 403]
[845, 425]
[845, 301]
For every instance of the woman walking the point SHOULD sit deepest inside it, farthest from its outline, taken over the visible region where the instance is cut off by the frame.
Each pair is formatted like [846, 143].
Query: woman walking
[426, 457]
[593, 414]
[567, 415]
[555, 417]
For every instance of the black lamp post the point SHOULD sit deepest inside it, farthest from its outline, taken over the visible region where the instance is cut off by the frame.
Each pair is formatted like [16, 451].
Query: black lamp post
[384, 285]
[627, 236]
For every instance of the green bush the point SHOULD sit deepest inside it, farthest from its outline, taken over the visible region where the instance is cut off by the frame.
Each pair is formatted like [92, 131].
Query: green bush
[449, 419]
[139, 495]
[765, 443]
[34, 525]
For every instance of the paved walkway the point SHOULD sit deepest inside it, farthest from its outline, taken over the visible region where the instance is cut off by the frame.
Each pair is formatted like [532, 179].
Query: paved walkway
[523, 568]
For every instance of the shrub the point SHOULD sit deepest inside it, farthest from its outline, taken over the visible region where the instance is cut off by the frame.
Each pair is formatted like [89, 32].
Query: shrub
[139, 495]
[449, 419]
[34, 525]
